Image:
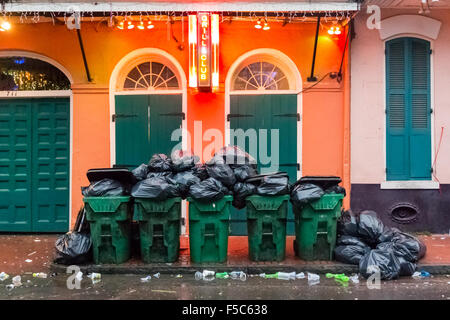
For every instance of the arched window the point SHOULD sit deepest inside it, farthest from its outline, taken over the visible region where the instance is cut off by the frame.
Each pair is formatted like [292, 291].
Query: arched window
[261, 75]
[151, 75]
[28, 74]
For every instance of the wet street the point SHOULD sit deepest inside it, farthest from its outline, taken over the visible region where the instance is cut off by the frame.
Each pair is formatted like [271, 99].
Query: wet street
[170, 287]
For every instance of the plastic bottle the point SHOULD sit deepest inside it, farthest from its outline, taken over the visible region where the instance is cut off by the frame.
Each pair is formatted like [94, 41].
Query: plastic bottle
[300, 275]
[206, 275]
[41, 275]
[238, 275]
[222, 275]
[3, 276]
[17, 281]
[157, 275]
[286, 275]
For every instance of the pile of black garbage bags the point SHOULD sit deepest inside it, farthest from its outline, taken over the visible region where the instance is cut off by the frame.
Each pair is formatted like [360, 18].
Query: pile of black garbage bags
[365, 241]
[230, 172]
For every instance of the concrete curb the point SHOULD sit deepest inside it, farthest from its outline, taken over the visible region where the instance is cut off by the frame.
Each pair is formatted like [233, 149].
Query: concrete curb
[249, 269]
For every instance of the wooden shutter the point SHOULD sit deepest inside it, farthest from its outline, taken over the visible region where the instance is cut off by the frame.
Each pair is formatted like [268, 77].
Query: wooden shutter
[408, 145]
[420, 131]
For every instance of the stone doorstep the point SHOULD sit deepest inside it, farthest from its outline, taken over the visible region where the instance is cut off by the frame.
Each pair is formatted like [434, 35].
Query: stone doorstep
[163, 268]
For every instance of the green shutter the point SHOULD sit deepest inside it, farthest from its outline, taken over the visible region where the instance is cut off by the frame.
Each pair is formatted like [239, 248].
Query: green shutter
[408, 145]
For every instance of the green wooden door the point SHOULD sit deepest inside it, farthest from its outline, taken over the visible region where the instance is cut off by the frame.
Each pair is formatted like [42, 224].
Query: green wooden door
[275, 120]
[408, 130]
[144, 126]
[34, 164]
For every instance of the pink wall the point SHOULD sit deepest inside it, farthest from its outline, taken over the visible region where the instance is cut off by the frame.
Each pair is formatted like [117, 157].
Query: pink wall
[368, 99]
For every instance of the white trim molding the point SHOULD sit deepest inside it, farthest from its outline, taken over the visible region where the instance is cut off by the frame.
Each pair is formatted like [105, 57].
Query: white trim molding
[413, 184]
[409, 24]
[180, 6]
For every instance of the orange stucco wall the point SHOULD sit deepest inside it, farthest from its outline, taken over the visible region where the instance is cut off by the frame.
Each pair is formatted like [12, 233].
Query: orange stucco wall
[323, 108]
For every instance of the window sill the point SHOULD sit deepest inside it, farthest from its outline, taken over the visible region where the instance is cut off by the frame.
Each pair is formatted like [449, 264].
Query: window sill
[417, 184]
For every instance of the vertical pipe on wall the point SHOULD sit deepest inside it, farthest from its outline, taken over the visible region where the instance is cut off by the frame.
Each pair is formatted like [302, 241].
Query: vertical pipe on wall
[346, 152]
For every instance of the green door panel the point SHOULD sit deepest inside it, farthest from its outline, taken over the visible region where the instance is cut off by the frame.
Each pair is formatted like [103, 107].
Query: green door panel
[15, 163]
[144, 126]
[50, 165]
[34, 165]
[408, 129]
[278, 115]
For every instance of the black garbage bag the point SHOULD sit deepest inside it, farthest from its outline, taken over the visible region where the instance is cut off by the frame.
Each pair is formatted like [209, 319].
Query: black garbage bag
[405, 257]
[73, 248]
[234, 156]
[140, 173]
[347, 224]
[407, 268]
[382, 261]
[336, 189]
[155, 188]
[104, 188]
[200, 171]
[163, 175]
[351, 241]
[416, 247]
[350, 249]
[208, 190]
[273, 186]
[388, 234]
[244, 172]
[351, 254]
[223, 173]
[184, 181]
[159, 163]
[240, 192]
[305, 193]
[183, 160]
[370, 228]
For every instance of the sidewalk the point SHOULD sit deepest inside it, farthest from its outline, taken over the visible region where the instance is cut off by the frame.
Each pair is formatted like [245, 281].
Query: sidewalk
[16, 249]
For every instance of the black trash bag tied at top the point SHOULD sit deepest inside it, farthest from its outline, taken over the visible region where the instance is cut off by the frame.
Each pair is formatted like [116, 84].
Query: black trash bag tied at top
[208, 190]
[305, 193]
[159, 163]
[184, 181]
[73, 248]
[140, 173]
[199, 170]
[273, 186]
[244, 172]
[223, 173]
[183, 160]
[155, 188]
[370, 228]
[104, 188]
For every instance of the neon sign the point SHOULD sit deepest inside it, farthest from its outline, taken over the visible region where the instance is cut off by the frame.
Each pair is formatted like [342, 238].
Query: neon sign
[203, 50]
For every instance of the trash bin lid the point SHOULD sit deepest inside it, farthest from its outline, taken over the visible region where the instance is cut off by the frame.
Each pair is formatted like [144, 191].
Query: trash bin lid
[324, 182]
[259, 178]
[123, 175]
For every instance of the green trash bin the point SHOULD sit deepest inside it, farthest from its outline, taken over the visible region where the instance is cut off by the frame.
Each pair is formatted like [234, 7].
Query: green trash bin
[266, 224]
[110, 223]
[315, 227]
[208, 229]
[159, 228]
